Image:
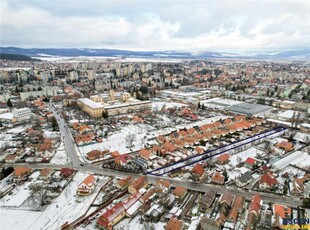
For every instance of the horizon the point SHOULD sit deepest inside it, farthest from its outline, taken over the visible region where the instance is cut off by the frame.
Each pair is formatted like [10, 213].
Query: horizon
[139, 25]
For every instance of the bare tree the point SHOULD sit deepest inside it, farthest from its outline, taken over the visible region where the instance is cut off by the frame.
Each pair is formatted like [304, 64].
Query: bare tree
[38, 194]
[130, 139]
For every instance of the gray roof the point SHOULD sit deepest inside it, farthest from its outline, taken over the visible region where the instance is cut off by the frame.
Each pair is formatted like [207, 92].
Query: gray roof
[245, 177]
[248, 109]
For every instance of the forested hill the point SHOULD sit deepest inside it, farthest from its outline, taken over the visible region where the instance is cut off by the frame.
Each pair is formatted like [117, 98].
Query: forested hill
[16, 57]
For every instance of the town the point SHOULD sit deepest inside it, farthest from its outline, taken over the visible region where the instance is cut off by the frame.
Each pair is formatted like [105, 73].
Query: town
[115, 143]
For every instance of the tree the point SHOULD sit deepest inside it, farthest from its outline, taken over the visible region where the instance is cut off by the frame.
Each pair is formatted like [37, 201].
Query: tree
[105, 114]
[225, 175]
[54, 123]
[40, 88]
[130, 139]
[38, 194]
[199, 105]
[203, 106]
[16, 89]
[276, 88]
[9, 103]
[144, 90]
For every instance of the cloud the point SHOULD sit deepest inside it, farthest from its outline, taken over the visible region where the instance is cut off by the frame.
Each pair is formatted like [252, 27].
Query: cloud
[157, 25]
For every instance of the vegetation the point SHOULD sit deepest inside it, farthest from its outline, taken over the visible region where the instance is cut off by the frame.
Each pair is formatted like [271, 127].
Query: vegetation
[16, 57]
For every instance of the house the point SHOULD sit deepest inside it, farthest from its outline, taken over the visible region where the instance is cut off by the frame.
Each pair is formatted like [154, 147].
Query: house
[162, 185]
[45, 173]
[137, 184]
[111, 217]
[174, 224]
[287, 146]
[191, 131]
[95, 155]
[84, 129]
[208, 224]
[281, 210]
[148, 196]
[124, 183]
[249, 163]
[180, 192]
[66, 172]
[115, 154]
[132, 205]
[161, 139]
[122, 159]
[145, 154]
[253, 212]
[232, 216]
[297, 185]
[207, 200]
[238, 203]
[223, 158]
[169, 147]
[255, 205]
[87, 186]
[226, 200]
[237, 208]
[83, 139]
[244, 179]
[268, 181]
[217, 178]
[21, 174]
[199, 150]
[198, 172]
[11, 158]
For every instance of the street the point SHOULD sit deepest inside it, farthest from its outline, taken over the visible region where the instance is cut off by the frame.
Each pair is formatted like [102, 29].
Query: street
[88, 168]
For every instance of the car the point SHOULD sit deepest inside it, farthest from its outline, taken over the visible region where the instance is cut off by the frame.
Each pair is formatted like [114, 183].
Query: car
[82, 164]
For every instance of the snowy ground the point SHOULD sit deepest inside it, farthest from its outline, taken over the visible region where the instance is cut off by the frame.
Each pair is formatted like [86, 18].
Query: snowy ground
[242, 156]
[66, 207]
[20, 193]
[17, 130]
[17, 219]
[60, 157]
[128, 224]
[51, 134]
[159, 105]
[292, 171]
[117, 141]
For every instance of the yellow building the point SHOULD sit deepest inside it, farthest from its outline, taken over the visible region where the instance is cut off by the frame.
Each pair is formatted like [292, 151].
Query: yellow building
[113, 104]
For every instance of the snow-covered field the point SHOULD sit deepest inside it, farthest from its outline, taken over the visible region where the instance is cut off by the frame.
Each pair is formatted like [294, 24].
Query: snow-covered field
[160, 104]
[242, 156]
[19, 194]
[66, 207]
[51, 134]
[117, 141]
[128, 224]
[60, 157]
[15, 219]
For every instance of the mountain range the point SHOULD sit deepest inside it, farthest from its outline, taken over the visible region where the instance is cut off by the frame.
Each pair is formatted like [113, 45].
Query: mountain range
[89, 52]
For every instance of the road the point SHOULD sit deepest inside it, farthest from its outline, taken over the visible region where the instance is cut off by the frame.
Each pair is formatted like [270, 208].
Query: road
[67, 138]
[201, 187]
[78, 165]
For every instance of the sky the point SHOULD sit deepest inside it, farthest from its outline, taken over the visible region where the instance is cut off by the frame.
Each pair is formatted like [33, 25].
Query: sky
[190, 25]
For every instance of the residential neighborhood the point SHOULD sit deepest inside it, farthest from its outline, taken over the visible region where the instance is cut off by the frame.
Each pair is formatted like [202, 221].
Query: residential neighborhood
[117, 144]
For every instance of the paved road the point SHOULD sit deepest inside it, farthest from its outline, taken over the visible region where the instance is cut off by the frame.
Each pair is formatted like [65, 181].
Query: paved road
[67, 137]
[76, 164]
[267, 197]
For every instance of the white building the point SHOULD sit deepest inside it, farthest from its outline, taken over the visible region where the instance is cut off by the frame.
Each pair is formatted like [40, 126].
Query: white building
[22, 114]
[46, 91]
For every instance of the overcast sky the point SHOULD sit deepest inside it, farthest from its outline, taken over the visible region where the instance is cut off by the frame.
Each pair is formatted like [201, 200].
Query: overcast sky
[193, 25]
